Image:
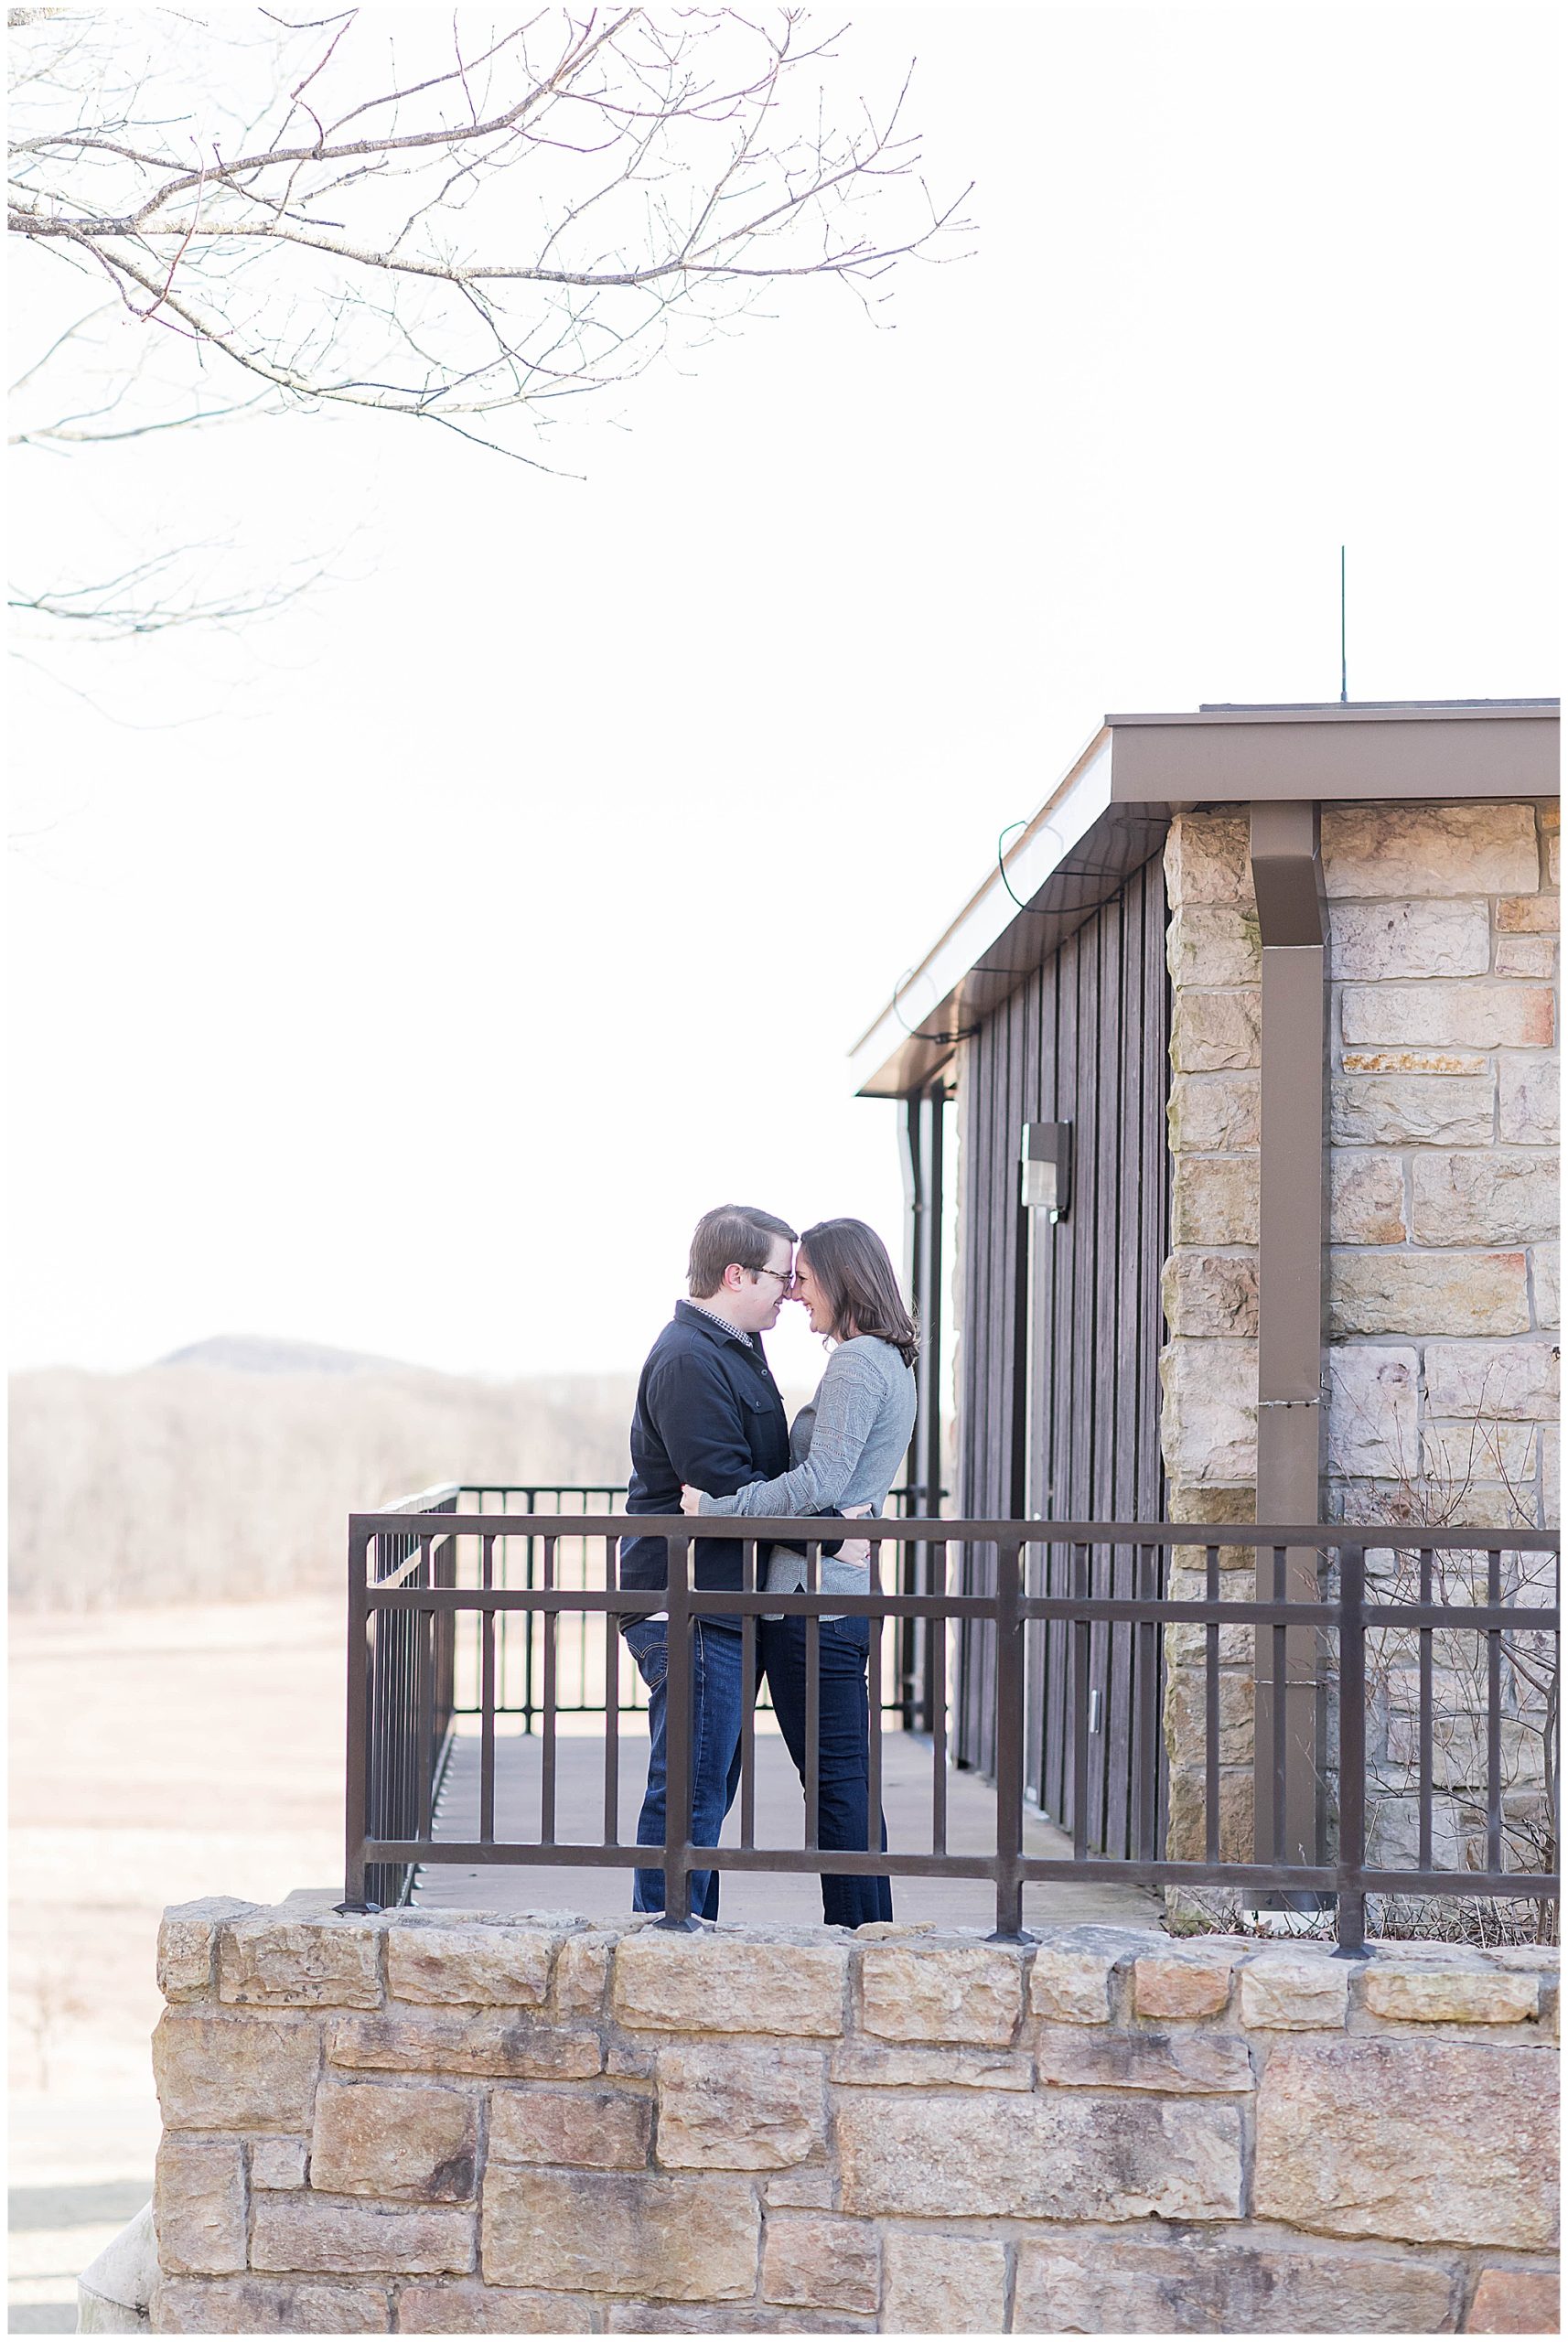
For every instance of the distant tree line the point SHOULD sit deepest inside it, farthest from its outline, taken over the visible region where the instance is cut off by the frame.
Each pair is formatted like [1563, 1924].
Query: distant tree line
[194, 1484]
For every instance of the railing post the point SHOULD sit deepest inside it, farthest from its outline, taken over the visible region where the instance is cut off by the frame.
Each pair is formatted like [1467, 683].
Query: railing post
[678, 1741]
[355, 1808]
[1009, 1927]
[1352, 1895]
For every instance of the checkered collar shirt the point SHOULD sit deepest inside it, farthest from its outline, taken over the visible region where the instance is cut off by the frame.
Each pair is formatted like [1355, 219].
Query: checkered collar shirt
[722, 1323]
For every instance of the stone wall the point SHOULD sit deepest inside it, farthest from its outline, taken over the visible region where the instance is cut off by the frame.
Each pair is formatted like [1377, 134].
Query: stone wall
[1442, 1262]
[457, 2123]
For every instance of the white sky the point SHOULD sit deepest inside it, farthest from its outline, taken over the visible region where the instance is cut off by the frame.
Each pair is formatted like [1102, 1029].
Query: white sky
[480, 925]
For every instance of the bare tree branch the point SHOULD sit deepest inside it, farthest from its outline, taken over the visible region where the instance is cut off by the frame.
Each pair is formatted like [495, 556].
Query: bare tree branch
[486, 219]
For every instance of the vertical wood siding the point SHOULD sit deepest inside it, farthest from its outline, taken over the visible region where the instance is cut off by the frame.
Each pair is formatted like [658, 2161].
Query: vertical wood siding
[1061, 1329]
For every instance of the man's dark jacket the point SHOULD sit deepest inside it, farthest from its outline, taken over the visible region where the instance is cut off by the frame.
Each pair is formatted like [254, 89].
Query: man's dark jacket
[709, 1414]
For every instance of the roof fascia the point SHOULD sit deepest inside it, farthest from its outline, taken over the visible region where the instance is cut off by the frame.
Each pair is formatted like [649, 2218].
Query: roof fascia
[1241, 756]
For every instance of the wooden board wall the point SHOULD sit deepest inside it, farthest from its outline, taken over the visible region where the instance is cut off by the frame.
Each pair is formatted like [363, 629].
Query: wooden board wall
[1073, 1313]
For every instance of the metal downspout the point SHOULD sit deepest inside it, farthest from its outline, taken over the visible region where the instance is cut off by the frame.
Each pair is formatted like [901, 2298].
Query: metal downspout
[1293, 1227]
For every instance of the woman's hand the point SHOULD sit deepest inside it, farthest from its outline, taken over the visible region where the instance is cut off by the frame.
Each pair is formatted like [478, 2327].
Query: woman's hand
[855, 1551]
[691, 1499]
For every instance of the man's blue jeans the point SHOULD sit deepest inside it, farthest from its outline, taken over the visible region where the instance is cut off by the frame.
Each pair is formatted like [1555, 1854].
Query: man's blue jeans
[718, 1702]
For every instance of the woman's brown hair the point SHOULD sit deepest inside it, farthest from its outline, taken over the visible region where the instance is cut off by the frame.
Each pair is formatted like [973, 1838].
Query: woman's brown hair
[850, 1262]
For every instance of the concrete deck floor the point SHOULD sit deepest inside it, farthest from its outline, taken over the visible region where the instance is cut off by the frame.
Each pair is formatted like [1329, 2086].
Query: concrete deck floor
[758, 1897]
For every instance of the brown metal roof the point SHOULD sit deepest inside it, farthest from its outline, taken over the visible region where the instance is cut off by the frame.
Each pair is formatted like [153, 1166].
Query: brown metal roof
[1110, 811]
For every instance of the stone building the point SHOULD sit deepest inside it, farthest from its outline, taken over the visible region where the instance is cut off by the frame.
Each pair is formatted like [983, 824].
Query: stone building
[1270, 996]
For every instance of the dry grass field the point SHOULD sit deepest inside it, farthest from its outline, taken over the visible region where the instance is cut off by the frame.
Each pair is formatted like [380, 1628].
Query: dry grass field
[156, 1755]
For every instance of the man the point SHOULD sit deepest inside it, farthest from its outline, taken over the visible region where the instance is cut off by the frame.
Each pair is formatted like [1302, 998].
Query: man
[708, 1412]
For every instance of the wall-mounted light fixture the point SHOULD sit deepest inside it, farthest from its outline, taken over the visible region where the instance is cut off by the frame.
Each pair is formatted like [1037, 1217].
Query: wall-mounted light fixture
[1047, 1167]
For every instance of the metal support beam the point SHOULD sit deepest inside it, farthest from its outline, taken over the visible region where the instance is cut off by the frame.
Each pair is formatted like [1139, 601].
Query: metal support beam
[921, 1135]
[1293, 1228]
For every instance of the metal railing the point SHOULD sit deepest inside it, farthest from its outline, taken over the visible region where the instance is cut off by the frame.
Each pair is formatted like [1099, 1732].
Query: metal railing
[420, 1571]
[580, 1683]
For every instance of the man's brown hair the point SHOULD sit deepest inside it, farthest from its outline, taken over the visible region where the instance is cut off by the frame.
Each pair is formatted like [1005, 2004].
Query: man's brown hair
[733, 1232]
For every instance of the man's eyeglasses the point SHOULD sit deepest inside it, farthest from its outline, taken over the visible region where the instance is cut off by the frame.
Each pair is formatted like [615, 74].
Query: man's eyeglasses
[786, 1276]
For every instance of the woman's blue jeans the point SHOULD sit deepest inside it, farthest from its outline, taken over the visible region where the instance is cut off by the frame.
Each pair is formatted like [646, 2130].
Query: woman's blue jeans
[717, 1697]
[842, 1748]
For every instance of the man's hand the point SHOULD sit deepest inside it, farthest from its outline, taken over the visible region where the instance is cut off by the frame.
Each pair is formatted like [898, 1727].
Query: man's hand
[691, 1499]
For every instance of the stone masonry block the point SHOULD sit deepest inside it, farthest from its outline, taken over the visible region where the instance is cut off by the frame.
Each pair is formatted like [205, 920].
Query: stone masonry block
[488, 1967]
[1545, 1261]
[1373, 941]
[1419, 1110]
[1192, 2064]
[1207, 1293]
[1476, 1014]
[734, 2317]
[1372, 1422]
[218, 2071]
[1399, 1291]
[1214, 1199]
[603, 2129]
[867, 2065]
[1460, 1452]
[728, 1984]
[1430, 2141]
[1516, 2300]
[1525, 955]
[820, 2262]
[592, 2232]
[1059, 2155]
[1071, 1982]
[1427, 1995]
[278, 2163]
[1213, 1113]
[188, 1938]
[1182, 1985]
[1216, 944]
[199, 2206]
[1285, 1994]
[1186, 1719]
[1215, 1032]
[581, 1974]
[1205, 1504]
[1512, 1381]
[957, 1996]
[1185, 1828]
[1529, 1090]
[1491, 1198]
[943, 2285]
[272, 1963]
[1458, 1064]
[1207, 860]
[1403, 849]
[268, 2306]
[465, 2307]
[1177, 2283]
[325, 2236]
[374, 2140]
[804, 2189]
[723, 2106]
[1208, 1421]
[1366, 1198]
[1186, 1641]
[513, 2048]
[1527, 914]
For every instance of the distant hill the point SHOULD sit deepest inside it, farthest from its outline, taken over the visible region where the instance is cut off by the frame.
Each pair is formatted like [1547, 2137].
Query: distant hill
[265, 1354]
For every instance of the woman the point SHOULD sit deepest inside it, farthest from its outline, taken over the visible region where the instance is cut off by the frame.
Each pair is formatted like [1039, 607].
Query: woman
[845, 1449]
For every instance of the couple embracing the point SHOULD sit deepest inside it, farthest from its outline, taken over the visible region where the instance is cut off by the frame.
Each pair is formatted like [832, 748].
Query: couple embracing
[710, 1437]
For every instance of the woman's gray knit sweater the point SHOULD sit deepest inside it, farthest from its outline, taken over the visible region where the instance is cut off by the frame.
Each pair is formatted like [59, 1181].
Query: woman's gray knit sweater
[845, 1448]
